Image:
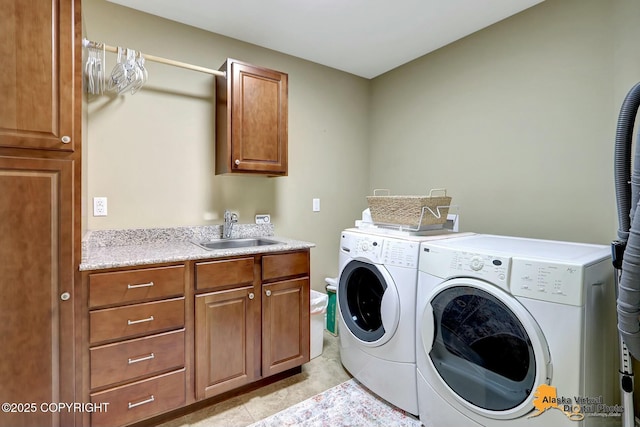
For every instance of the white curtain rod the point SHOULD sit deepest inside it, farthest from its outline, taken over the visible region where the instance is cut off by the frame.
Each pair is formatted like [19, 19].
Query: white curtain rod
[89, 43]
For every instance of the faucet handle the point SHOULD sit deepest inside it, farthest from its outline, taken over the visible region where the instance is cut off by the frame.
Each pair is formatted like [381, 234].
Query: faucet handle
[230, 216]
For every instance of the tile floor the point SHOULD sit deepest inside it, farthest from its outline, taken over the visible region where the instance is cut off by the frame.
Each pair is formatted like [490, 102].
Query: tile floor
[320, 374]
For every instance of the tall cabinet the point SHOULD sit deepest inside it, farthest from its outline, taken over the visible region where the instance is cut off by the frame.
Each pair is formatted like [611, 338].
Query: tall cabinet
[40, 142]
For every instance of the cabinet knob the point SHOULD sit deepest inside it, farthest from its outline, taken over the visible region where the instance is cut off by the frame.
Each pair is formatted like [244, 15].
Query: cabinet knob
[65, 296]
[251, 295]
[268, 292]
[237, 162]
[65, 139]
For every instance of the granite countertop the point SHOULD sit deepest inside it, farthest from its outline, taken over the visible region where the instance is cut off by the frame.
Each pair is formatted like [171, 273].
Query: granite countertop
[102, 249]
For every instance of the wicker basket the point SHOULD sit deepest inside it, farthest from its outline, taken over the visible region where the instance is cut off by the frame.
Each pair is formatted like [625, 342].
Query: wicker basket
[413, 211]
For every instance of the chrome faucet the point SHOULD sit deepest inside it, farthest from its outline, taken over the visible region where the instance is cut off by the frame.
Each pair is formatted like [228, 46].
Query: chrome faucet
[229, 220]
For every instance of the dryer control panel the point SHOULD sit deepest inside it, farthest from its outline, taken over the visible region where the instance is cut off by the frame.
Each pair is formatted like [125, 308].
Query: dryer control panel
[546, 270]
[548, 281]
[532, 278]
[381, 250]
[447, 263]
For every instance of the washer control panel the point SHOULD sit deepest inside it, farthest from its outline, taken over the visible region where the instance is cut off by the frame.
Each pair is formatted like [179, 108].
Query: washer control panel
[380, 250]
[491, 268]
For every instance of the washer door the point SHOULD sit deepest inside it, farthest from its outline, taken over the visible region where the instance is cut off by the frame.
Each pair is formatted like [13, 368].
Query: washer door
[486, 349]
[369, 302]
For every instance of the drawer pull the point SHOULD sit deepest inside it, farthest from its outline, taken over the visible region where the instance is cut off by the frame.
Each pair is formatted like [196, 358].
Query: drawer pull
[143, 402]
[133, 322]
[142, 359]
[141, 285]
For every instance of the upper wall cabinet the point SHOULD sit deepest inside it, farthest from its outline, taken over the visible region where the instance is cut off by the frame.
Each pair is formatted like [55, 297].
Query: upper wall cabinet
[36, 76]
[251, 120]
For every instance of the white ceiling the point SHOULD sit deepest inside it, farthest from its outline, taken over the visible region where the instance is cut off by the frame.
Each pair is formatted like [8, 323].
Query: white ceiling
[363, 37]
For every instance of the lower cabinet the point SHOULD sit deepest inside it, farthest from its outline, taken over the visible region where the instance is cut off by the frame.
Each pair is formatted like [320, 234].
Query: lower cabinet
[136, 339]
[285, 311]
[253, 329]
[161, 338]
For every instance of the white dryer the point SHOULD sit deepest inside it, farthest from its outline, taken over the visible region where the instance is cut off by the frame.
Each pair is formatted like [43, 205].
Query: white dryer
[506, 325]
[376, 295]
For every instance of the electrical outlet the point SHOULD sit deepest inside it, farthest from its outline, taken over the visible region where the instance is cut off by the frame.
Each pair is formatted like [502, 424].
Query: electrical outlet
[99, 206]
[263, 219]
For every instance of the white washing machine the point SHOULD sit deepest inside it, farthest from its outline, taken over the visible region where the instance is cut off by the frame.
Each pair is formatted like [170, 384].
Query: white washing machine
[506, 325]
[376, 295]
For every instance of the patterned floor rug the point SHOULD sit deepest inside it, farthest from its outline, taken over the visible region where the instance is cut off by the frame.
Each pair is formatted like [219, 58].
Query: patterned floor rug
[347, 404]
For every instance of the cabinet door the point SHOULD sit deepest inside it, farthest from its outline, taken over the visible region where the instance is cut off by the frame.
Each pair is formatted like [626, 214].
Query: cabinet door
[227, 340]
[37, 74]
[252, 121]
[285, 325]
[36, 282]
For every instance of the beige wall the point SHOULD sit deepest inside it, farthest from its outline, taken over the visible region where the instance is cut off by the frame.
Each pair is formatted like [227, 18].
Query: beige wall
[152, 153]
[517, 121]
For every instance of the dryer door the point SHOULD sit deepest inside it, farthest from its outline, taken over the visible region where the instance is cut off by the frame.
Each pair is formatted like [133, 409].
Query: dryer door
[369, 302]
[488, 353]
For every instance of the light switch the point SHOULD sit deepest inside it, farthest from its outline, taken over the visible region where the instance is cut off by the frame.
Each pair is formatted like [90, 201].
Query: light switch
[316, 205]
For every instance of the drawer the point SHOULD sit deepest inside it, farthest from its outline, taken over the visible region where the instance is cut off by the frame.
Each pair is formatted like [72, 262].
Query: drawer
[122, 287]
[137, 401]
[138, 319]
[221, 274]
[132, 359]
[285, 265]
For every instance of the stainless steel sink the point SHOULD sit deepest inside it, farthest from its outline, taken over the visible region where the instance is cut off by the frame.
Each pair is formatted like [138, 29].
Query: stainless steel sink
[235, 243]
